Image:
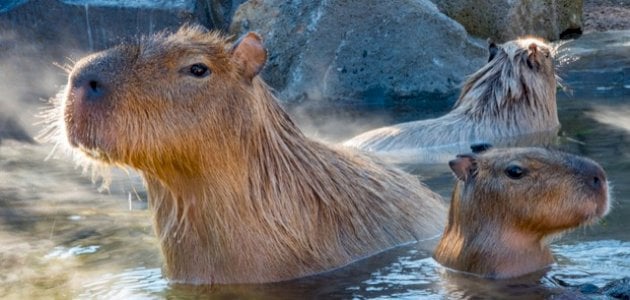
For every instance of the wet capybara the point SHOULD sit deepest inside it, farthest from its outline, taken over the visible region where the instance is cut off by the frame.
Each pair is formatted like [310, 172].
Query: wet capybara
[514, 94]
[508, 203]
[238, 194]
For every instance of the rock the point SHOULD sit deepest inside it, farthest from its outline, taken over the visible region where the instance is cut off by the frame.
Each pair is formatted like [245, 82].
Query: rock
[587, 288]
[603, 15]
[619, 289]
[374, 52]
[506, 20]
[89, 25]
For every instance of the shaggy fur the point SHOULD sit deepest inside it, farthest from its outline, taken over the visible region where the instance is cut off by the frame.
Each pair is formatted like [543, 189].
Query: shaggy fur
[238, 193]
[514, 94]
[499, 226]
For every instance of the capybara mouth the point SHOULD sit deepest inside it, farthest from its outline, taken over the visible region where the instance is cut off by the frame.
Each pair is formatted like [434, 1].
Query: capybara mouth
[603, 202]
[599, 206]
[84, 126]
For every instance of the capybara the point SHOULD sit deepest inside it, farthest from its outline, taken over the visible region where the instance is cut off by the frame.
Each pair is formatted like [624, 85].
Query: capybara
[508, 203]
[514, 94]
[238, 194]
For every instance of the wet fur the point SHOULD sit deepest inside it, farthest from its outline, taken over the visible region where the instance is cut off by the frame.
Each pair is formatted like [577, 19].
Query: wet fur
[238, 193]
[513, 94]
[499, 227]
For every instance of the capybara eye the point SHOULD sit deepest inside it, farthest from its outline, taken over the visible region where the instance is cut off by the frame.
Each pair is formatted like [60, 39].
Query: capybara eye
[199, 70]
[515, 172]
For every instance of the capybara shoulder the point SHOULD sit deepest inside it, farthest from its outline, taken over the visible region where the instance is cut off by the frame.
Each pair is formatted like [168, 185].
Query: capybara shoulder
[238, 194]
[514, 94]
[508, 202]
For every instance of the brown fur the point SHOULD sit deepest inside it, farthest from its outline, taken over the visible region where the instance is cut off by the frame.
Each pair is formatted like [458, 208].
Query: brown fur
[238, 193]
[499, 227]
[514, 94]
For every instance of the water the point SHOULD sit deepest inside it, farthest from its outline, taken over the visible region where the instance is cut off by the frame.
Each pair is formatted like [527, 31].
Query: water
[60, 238]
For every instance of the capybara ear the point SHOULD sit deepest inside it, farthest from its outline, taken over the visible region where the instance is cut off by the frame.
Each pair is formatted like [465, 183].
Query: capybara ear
[250, 54]
[533, 48]
[532, 56]
[492, 48]
[463, 166]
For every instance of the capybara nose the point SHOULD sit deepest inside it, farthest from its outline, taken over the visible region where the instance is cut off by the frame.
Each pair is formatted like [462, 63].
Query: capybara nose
[88, 88]
[593, 175]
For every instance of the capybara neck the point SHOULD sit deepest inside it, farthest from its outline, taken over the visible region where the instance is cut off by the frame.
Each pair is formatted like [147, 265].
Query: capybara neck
[489, 247]
[507, 203]
[238, 193]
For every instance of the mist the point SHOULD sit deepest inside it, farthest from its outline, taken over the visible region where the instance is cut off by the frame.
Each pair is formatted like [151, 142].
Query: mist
[28, 77]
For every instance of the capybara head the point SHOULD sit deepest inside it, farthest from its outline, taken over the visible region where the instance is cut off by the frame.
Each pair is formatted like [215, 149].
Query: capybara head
[508, 202]
[524, 55]
[531, 189]
[153, 99]
[519, 73]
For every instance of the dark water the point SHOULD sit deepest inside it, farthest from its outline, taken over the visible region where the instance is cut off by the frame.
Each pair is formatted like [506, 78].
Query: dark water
[60, 238]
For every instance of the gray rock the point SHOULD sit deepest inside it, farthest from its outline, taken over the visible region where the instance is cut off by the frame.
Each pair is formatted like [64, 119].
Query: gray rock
[619, 289]
[603, 15]
[506, 20]
[91, 25]
[373, 52]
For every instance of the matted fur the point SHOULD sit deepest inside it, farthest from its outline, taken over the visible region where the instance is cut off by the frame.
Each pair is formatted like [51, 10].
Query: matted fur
[238, 193]
[514, 94]
[500, 226]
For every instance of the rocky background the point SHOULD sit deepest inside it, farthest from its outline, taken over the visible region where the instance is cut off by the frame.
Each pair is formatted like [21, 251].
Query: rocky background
[397, 54]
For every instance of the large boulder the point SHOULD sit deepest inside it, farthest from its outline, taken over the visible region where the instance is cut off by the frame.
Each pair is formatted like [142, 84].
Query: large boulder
[368, 51]
[97, 24]
[508, 19]
[603, 15]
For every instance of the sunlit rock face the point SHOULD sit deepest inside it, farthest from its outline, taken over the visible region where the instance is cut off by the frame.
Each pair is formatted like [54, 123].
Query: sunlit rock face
[376, 52]
[507, 20]
[99, 24]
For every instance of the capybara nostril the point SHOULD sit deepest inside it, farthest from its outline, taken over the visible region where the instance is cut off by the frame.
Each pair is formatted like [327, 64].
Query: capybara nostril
[94, 90]
[597, 182]
[95, 86]
[88, 88]
[594, 176]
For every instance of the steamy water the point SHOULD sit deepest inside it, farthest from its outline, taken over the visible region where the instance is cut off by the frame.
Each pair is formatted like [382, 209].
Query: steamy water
[61, 238]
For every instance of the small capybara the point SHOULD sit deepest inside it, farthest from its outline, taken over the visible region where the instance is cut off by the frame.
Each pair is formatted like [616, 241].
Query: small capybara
[508, 203]
[238, 194]
[514, 94]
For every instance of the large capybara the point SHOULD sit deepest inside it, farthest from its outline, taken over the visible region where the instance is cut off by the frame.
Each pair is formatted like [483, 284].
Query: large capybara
[514, 94]
[238, 194]
[508, 203]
